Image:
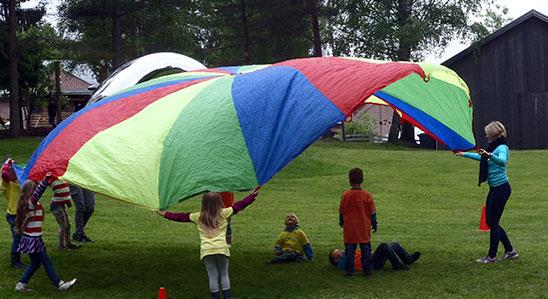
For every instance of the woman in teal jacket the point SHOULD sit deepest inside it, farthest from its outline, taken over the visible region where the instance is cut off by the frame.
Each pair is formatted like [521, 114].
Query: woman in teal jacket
[493, 170]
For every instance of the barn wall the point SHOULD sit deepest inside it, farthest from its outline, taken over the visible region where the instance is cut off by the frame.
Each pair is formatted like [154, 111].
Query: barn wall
[508, 82]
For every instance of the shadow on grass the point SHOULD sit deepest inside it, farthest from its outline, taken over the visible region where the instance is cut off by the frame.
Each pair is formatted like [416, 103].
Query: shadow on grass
[115, 271]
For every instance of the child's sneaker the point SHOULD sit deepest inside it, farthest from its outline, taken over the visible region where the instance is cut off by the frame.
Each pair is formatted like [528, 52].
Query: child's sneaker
[415, 256]
[63, 286]
[510, 255]
[486, 260]
[73, 246]
[21, 287]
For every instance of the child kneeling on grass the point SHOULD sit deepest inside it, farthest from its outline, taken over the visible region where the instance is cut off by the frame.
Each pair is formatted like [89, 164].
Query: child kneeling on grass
[292, 244]
[212, 222]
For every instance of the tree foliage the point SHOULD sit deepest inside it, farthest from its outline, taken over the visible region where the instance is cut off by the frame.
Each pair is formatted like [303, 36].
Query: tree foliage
[406, 30]
[34, 45]
[28, 45]
[104, 34]
[216, 32]
[277, 30]
[393, 29]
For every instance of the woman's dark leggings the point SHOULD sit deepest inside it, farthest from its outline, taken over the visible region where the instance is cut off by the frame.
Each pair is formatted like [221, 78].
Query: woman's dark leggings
[496, 200]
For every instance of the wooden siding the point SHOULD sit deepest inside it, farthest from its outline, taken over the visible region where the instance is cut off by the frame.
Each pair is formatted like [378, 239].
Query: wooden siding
[508, 82]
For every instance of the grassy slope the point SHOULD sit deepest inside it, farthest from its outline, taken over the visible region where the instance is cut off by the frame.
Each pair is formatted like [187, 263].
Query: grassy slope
[427, 200]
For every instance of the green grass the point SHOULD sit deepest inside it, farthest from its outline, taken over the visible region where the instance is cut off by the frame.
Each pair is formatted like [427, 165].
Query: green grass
[427, 200]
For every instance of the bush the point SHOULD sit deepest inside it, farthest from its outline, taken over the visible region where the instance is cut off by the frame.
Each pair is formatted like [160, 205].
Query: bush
[361, 125]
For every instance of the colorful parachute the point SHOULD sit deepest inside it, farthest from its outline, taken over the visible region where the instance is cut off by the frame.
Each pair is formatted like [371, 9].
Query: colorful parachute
[230, 129]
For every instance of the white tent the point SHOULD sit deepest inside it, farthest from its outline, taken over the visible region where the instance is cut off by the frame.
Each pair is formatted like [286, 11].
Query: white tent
[142, 69]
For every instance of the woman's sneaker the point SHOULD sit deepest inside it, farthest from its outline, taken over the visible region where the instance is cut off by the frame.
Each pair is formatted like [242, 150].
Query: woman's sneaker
[63, 286]
[510, 255]
[486, 260]
[21, 287]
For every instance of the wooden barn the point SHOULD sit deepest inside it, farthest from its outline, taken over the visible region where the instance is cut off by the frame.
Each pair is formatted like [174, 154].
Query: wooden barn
[507, 73]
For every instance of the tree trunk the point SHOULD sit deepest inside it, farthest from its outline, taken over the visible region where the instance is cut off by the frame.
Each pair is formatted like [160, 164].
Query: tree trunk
[58, 92]
[15, 111]
[117, 38]
[394, 132]
[313, 10]
[245, 33]
[404, 54]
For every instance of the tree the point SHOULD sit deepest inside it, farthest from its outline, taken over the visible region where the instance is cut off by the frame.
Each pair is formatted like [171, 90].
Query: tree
[312, 8]
[273, 31]
[104, 34]
[13, 72]
[24, 50]
[402, 30]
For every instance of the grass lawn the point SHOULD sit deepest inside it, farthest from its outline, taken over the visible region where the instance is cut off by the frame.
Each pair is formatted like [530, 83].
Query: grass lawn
[427, 200]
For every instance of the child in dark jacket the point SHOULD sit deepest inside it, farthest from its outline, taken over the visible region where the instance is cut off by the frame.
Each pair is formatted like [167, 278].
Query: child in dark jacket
[292, 244]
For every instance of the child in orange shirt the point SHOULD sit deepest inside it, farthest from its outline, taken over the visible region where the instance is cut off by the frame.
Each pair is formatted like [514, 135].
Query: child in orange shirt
[228, 202]
[357, 215]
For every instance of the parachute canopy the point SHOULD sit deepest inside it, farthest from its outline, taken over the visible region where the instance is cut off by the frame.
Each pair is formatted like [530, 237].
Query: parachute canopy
[229, 129]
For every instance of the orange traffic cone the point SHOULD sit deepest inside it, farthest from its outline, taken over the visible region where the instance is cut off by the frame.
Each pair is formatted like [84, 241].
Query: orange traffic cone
[483, 221]
[162, 293]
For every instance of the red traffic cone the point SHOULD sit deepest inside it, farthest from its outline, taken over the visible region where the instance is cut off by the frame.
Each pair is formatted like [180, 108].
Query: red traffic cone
[162, 294]
[483, 221]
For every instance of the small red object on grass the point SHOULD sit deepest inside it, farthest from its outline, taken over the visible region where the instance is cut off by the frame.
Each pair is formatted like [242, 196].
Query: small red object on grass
[483, 222]
[162, 294]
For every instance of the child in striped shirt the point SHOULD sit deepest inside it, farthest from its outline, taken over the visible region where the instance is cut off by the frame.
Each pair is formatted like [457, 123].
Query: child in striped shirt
[60, 202]
[28, 222]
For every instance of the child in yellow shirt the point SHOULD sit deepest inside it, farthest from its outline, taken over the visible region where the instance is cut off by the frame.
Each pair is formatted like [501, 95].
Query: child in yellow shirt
[292, 244]
[11, 189]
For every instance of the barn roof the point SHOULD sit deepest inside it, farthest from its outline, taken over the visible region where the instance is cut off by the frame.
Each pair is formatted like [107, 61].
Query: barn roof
[531, 14]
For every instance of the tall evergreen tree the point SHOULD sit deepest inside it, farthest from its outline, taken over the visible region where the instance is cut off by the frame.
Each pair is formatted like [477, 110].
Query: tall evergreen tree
[104, 34]
[25, 42]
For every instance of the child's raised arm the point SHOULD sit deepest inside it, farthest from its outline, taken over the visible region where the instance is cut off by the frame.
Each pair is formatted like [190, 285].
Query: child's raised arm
[242, 204]
[7, 171]
[40, 189]
[178, 217]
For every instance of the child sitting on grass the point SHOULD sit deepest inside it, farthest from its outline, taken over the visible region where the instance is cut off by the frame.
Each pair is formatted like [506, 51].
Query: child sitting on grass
[292, 244]
[357, 215]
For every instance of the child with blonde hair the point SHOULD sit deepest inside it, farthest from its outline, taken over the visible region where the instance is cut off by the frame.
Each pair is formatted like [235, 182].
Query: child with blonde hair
[212, 222]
